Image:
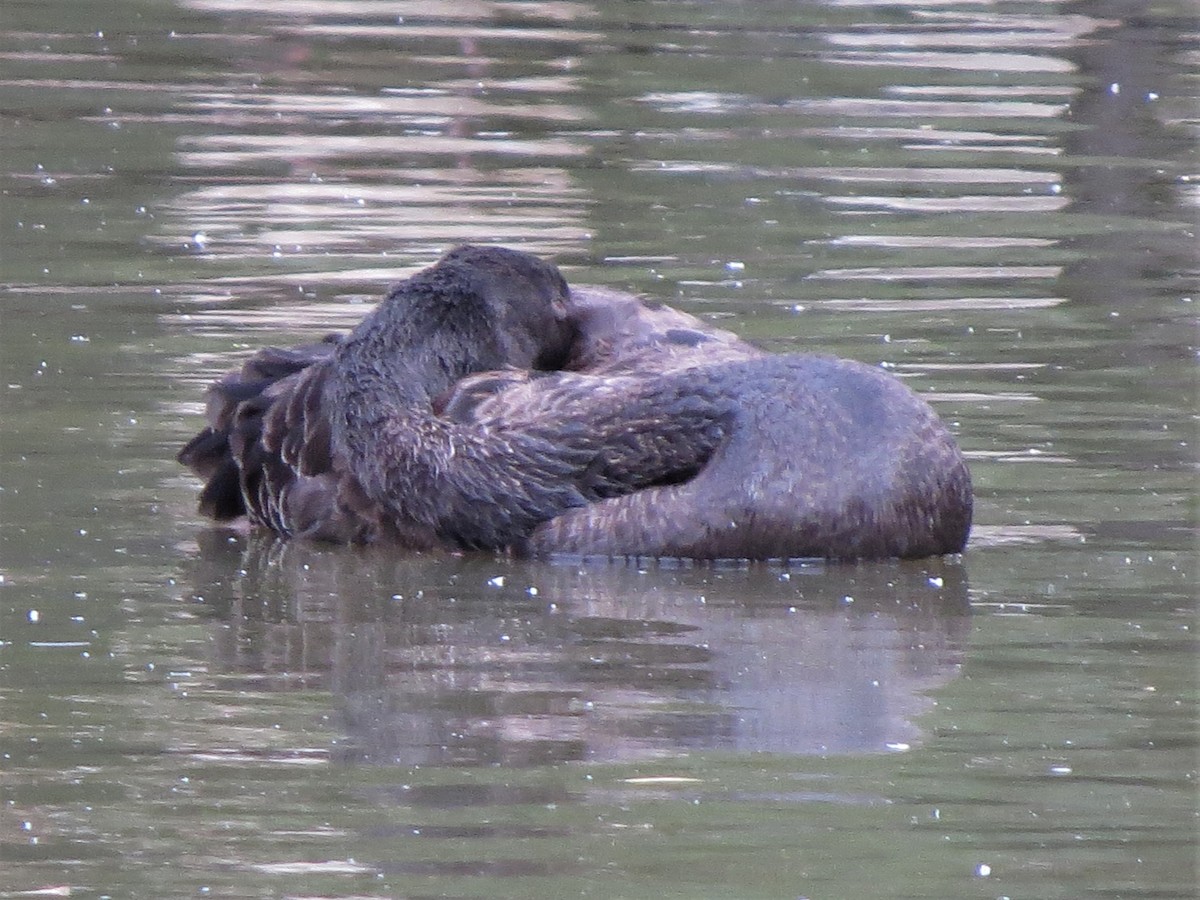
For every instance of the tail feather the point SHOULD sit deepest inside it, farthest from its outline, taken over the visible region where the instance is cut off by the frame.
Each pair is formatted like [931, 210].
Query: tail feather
[246, 468]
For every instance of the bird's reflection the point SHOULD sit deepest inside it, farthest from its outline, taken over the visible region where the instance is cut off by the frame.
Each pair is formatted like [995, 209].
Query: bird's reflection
[479, 660]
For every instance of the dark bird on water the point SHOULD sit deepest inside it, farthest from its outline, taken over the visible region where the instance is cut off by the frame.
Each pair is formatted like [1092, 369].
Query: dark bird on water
[484, 405]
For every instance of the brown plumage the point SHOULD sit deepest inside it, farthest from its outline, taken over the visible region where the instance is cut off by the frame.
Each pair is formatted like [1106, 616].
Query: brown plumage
[339, 440]
[821, 457]
[435, 423]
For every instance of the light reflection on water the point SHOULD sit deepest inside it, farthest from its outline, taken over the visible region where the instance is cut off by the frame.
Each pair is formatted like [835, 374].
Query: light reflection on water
[557, 663]
[994, 203]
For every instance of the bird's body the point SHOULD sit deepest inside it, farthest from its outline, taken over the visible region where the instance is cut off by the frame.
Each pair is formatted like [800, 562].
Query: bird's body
[482, 406]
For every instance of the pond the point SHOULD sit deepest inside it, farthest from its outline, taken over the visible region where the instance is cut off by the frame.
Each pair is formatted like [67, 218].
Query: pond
[997, 201]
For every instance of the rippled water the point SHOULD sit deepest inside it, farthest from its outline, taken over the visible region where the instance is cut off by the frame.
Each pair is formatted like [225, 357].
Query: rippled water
[996, 200]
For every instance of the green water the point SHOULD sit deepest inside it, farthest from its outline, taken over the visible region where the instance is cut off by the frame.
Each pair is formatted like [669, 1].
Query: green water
[996, 201]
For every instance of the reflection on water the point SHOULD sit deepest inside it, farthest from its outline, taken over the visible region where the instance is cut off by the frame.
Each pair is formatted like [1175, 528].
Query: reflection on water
[452, 663]
[996, 201]
[402, 152]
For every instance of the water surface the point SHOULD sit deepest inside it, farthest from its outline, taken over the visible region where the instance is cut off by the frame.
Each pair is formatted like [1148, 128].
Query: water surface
[996, 201]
